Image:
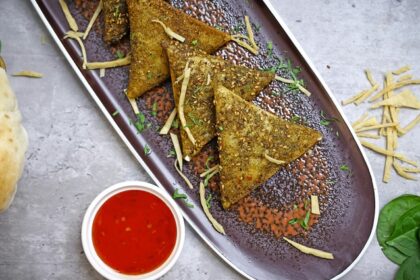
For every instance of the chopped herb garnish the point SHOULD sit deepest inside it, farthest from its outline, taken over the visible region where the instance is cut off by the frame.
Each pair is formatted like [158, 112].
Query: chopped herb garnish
[305, 222]
[115, 113]
[171, 153]
[140, 123]
[275, 93]
[178, 195]
[195, 120]
[295, 118]
[344, 168]
[269, 48]
[257, 27]
[147, 150]
[293, 221]
[117, 11]
[210, 158]
[182, 196]
[218, 27]
[119, 54]
[208, 200]
[237, 27]
[154, 109]
[194, 42]
[189, 205]
[326, 121]
[175, 124]
[221, 128]
[149, 75]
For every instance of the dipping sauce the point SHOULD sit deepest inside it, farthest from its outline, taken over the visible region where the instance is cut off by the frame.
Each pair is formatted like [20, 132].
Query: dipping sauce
[134, 232]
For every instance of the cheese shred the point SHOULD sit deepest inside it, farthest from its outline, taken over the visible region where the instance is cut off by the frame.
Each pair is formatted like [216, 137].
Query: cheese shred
[73, 35]
[70, 19]
[187, 73]
[310, 251]
[239, 38]
[29, 74]
[177, 148]
[206, 210]
[168, 124]
[273, 160]
[93, 19]
[170, 32]
[185, 178]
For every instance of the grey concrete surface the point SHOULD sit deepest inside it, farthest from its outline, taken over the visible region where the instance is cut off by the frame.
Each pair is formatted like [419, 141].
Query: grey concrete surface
[74, 153]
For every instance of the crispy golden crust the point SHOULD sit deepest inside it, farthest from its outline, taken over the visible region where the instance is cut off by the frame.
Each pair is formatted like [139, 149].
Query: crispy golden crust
[149, 66]
[245, 134]
[206, 69]
[116, 20]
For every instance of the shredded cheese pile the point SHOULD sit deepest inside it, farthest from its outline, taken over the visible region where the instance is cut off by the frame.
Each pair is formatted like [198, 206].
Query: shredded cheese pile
[389, 127]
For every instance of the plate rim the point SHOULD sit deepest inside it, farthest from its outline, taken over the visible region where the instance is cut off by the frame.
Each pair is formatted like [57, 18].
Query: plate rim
[293, 39]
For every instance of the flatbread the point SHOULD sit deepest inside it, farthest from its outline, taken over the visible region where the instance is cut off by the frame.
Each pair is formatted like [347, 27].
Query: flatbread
[149, 65]
[206, 70]
[247, 133]
[13, 143]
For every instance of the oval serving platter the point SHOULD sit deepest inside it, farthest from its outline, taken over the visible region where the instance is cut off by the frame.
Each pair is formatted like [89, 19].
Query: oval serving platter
[336, 168]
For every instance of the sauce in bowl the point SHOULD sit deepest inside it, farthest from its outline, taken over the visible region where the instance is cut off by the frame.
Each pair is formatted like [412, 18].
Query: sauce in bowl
[134, 232]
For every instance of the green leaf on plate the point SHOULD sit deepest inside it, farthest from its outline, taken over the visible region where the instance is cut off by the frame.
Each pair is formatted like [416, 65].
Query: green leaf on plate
[408, 221]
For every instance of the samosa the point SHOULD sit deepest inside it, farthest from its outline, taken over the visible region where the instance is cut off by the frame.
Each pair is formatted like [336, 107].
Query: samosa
[205, 70]
[148, 22]
[253, 144]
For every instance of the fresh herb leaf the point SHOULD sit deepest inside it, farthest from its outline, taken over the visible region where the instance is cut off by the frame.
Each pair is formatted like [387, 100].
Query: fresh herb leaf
[269, 48]
[305, 222]
[293, 221]
[275, 93]
[119, 54]
[175, 124]
[171, 153]
[195, 120]
[149, 75]
[344, 167]
[147, 150]
[178, 195]
[208, 160]
[194, 42]
[154, 109]
[410, 269]
[115, 113]
[325, 122]
[188, 204]
[140, 124]
[295, 118]
[208, 200]
[183, 196]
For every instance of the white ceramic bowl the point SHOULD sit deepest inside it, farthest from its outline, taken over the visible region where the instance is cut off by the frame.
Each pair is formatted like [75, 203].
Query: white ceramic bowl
[87, 242]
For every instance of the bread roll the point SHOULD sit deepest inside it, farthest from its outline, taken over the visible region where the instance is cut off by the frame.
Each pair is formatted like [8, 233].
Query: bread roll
[13, 143]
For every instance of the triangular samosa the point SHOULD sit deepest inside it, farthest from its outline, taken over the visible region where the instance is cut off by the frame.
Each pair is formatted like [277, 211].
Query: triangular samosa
[198, 106]
[247, 135]
[149, 65]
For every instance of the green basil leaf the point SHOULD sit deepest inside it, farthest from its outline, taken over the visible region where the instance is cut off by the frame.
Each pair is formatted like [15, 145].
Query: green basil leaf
[394, 255]
[390, 214]
[410, 269]
[406, 243]
[408, 221]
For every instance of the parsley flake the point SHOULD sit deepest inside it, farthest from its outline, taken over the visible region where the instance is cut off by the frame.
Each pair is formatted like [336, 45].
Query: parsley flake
[344, 167]
[147, 150]
[119, 54]
[154, 109]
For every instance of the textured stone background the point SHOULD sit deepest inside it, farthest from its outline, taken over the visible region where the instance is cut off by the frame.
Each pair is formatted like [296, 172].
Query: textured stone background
[74, 153]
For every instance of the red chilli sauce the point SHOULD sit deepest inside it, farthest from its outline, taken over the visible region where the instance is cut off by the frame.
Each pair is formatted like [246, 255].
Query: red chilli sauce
[134, 232]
